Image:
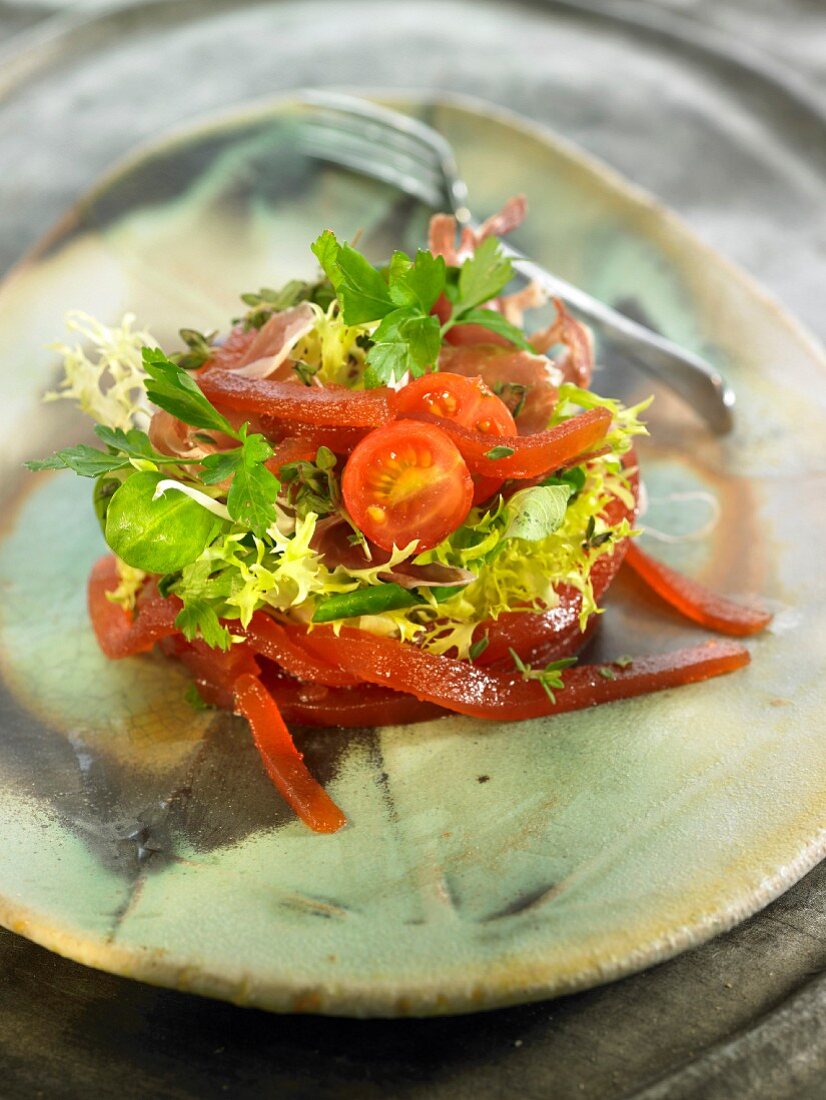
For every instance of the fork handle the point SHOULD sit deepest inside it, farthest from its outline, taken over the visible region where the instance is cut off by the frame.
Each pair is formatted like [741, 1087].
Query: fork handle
[687, 374]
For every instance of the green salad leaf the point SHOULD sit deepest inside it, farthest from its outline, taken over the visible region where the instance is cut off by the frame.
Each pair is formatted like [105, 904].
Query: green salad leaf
[482, 276]
[252, 492]
[158, 536]
[537, 512]
[409, 337]
[171, 388]
[84, 460]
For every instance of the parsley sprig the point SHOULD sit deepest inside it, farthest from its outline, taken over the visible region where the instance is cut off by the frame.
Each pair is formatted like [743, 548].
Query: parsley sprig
[312, 486]
[253, 488]
[267, 301]
[409, 336]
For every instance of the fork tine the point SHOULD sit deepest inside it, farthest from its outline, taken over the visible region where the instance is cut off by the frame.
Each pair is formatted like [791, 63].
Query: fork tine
[357, 160]
[363, 153]
[395, 123]
[380, 132]
[415, 165]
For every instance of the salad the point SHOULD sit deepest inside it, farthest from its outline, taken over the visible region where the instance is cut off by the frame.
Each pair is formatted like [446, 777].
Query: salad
[376, 499]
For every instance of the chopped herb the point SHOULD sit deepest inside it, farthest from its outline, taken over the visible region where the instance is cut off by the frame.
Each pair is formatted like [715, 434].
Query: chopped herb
[200, 347]
[514, 394]
[305, 372]
[268, 301]
[499, 452]
[312, 486]
[478, 648]
[195, 699]
[593, 540]
[550, 676]
[606, 672]
[623, 662]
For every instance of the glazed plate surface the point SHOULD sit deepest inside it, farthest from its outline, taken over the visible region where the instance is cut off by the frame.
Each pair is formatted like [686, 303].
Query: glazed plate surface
[484, 864]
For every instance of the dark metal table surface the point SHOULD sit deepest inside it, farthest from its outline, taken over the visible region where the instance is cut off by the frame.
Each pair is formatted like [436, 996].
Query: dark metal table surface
[742, 1016]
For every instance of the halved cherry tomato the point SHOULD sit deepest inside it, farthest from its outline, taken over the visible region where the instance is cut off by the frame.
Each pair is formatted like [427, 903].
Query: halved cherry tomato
[407, 481]
[464, 401]
[467, 401]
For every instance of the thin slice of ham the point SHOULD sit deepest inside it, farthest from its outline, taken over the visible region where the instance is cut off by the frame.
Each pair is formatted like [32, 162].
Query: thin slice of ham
[495, 365]
[443, 227]
[577, 362]
[513, 306]
[271, 347]
[170, 436]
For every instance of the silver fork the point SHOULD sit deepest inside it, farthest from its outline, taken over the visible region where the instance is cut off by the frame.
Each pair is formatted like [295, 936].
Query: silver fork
[415, 158]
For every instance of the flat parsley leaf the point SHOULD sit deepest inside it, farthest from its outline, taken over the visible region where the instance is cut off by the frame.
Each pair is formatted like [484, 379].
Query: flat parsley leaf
[360, 287]
[416, 283]
[133, 443]
[84, 460]
[406, 340]
[200, 348]
[482, 276]
[198, 618]
[171, 388]
[252, 492]
[494, 321]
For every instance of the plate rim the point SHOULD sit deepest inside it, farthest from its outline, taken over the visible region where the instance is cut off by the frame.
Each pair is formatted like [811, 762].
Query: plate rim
[422, 997]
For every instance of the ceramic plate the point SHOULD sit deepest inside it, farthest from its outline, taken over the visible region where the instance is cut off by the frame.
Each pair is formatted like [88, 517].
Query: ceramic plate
[483, 864]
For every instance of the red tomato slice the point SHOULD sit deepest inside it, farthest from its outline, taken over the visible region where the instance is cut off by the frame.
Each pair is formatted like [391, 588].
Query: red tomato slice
[530, 455]
[694, 600]
[291, 449]
[465, 401]
[407, 481]
[282, 759]
[339, 440]
[485, 693]
[348, 707]
[328, 406]
[120, 634]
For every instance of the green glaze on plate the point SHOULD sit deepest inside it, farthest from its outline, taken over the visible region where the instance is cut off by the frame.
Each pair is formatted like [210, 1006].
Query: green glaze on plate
[483, 864]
